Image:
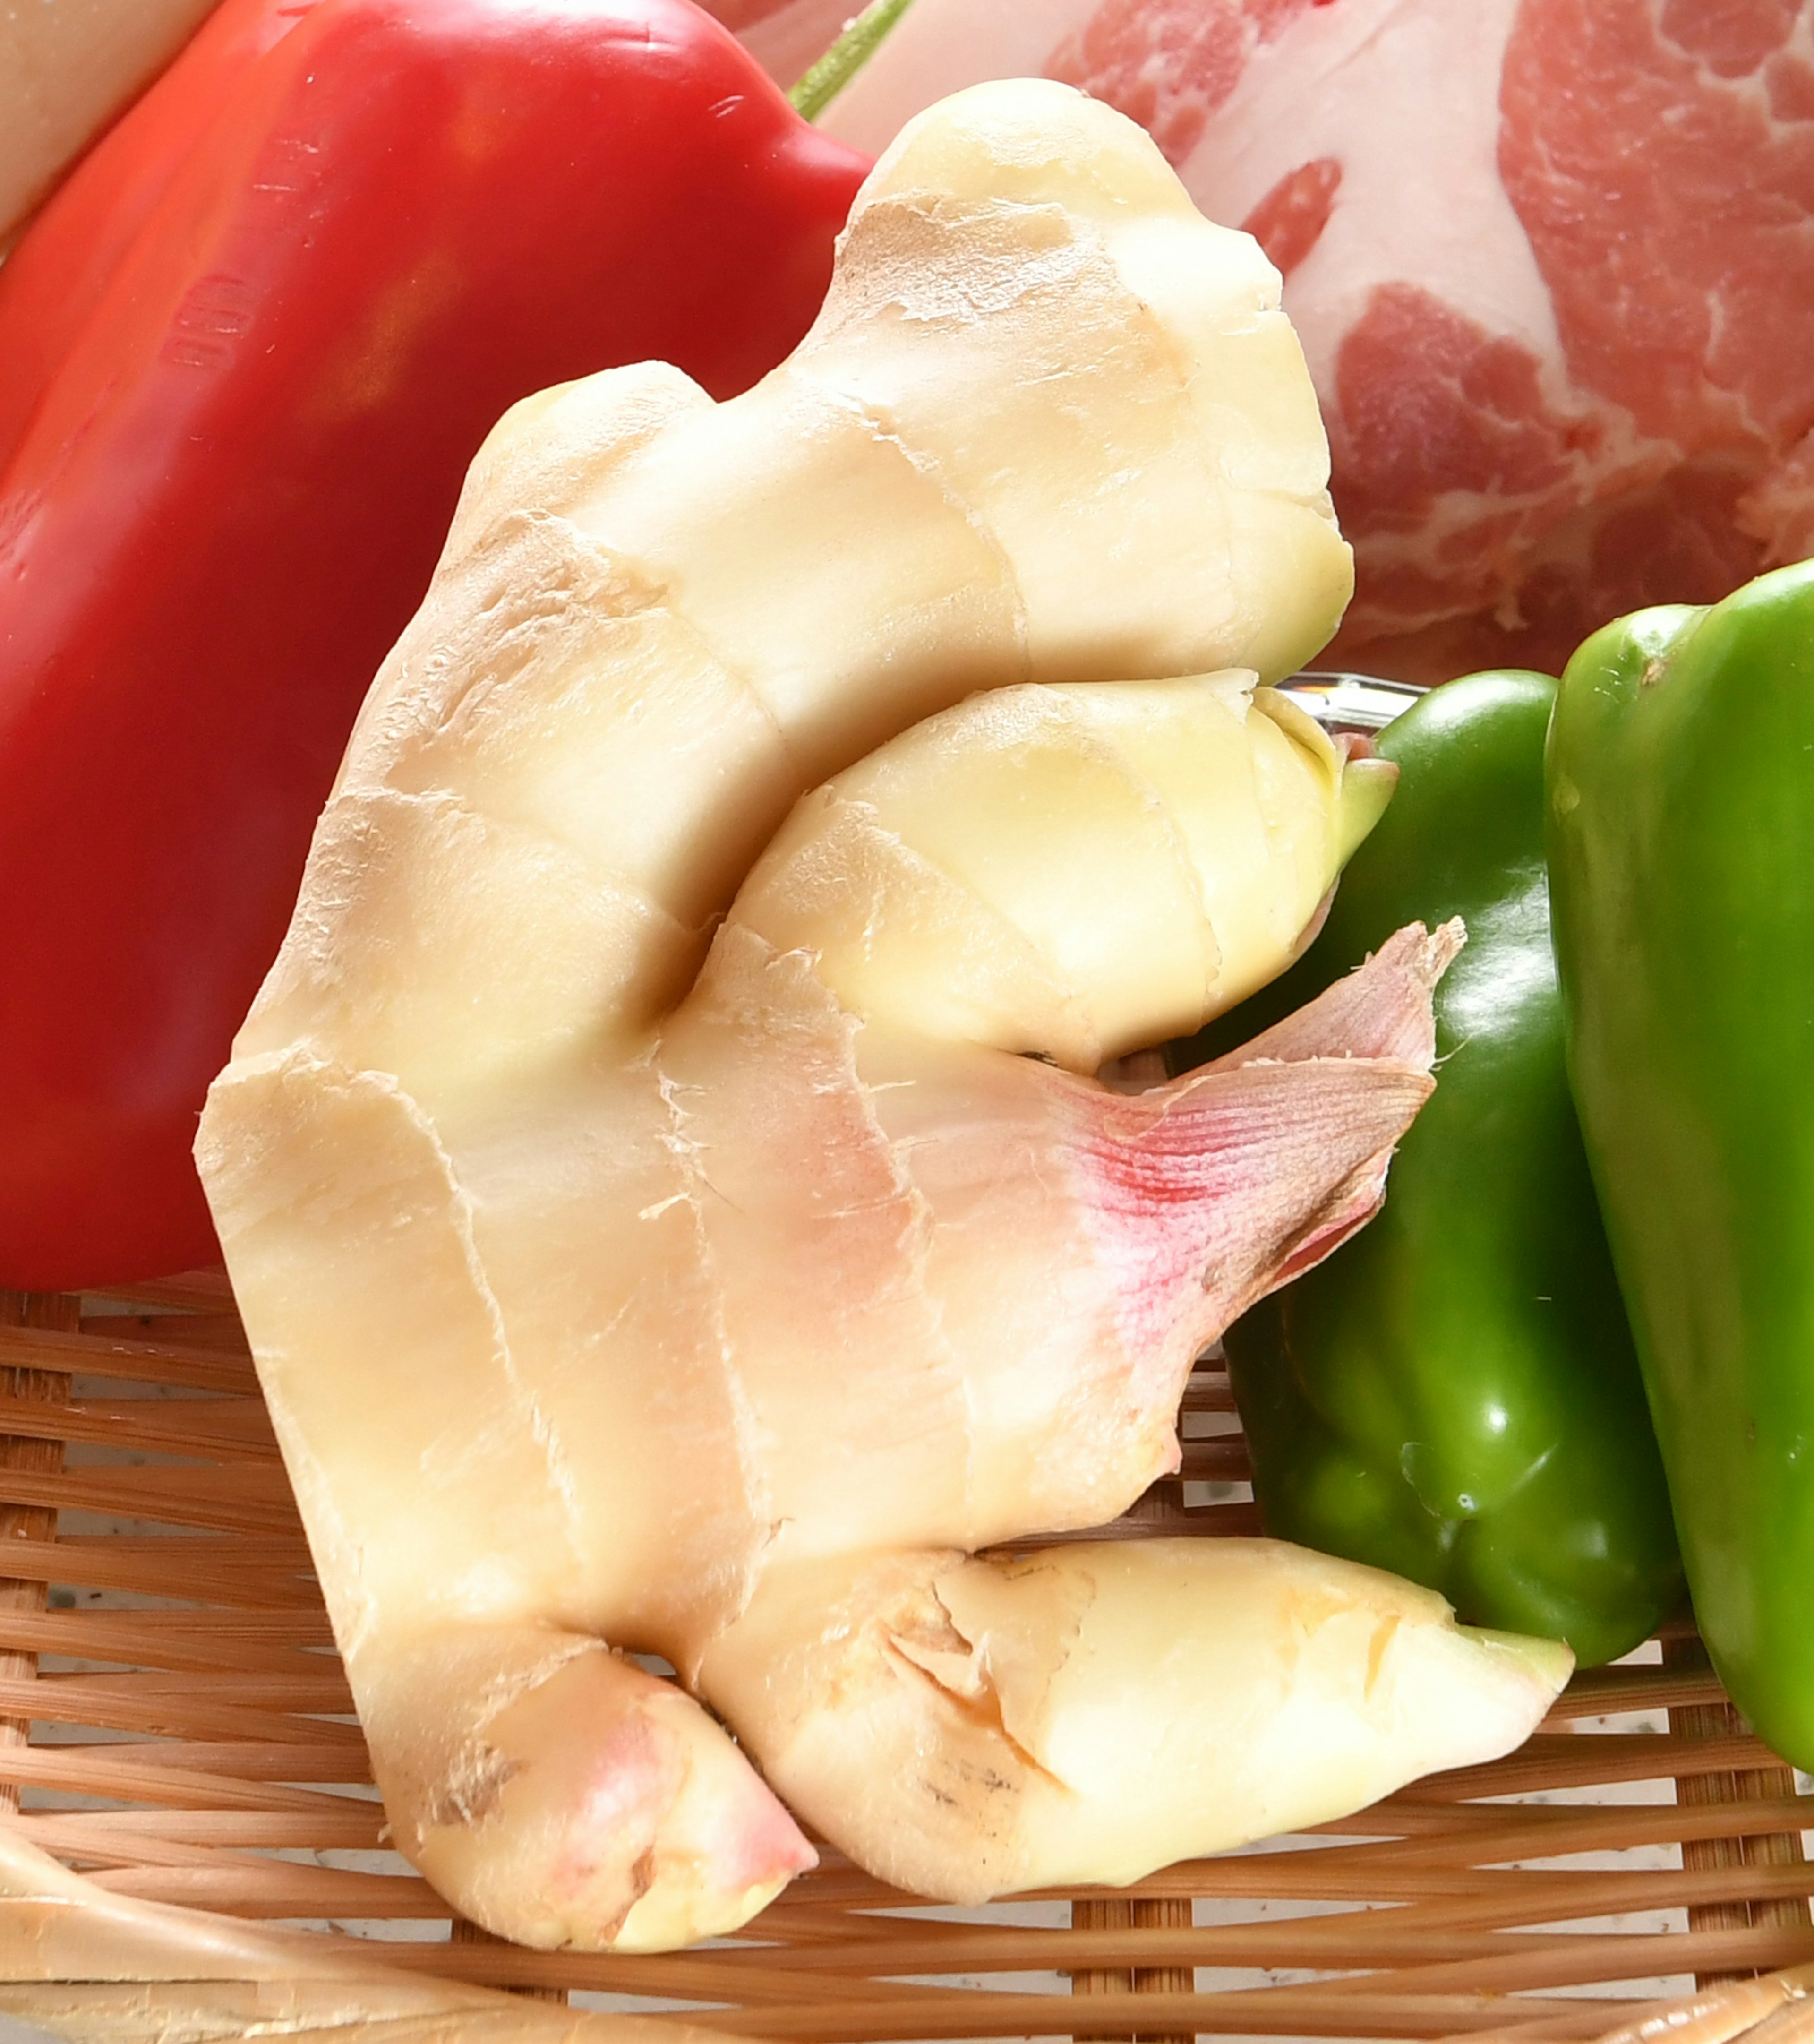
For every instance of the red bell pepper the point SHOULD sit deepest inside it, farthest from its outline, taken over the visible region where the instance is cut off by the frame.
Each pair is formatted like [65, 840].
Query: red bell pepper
[249, 351]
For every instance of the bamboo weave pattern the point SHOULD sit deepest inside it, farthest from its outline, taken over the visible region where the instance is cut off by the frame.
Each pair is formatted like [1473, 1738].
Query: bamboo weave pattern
[174, 1723]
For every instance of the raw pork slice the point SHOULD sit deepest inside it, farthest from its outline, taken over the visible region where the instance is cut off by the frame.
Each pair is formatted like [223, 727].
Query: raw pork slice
[1551, 260]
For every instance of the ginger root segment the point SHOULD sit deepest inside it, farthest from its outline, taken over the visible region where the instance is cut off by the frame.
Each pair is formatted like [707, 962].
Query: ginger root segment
[1092, 1712]
[606, 1275]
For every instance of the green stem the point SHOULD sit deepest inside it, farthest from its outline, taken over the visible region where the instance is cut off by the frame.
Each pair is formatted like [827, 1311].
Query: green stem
[845, 58]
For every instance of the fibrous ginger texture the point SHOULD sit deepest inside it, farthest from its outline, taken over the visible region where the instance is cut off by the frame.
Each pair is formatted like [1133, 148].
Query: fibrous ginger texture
[1551, 262]
[653, 1235]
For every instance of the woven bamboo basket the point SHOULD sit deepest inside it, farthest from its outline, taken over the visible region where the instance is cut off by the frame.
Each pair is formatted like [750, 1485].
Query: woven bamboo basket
[191, 1847]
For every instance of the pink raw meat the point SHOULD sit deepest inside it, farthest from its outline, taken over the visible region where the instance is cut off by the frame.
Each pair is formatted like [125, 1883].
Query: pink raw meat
[1552, 262]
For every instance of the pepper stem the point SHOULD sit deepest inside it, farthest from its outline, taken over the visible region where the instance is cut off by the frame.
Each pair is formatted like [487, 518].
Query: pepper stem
[845, 58]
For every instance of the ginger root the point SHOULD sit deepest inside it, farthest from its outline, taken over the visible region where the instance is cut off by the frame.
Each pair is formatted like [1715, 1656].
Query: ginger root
[651, 1240]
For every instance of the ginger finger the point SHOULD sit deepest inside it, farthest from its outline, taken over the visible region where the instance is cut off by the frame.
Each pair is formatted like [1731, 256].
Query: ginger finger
[968, 1726]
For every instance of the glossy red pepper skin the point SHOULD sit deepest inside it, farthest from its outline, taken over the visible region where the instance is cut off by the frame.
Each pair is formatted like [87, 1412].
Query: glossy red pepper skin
[401, 217]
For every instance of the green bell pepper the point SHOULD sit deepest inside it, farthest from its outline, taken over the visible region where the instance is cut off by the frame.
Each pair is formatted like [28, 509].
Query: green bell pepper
[1453, 1395]
[1681, 797]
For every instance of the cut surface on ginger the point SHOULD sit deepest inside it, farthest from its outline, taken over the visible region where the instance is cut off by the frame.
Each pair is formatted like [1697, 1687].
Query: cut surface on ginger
[668, 1197]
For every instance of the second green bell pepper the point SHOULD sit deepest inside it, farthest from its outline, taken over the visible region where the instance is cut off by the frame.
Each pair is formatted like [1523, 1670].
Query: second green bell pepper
[1682, 848]
[1453, 1395]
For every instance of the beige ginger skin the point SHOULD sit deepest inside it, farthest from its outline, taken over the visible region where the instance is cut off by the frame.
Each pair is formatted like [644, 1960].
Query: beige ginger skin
[651, 1236]
[67, 69]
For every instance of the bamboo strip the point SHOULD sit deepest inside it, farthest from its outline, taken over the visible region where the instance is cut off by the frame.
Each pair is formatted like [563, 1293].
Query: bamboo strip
[288, 1552]
[81, 1700]
[1542, 1895]
[1405, 1816]
[1200, 1521]
[798, 1919]
[235, 1427]
[900, 1941]
[200, 1579]
[732, 1977]
[1428, 1898]
[199, 1291]
[1532, 1831]
[1535, 1959]
[96, 1841]
[881, 1945]
[319, 1687]
[179, 1788]
[836, 1885]
[279, 1888]
[461, 1932]
[1608, 1692]
[210, 1330]
[328, 1825]
[23, 1456]
[1521, 1898]
[77, 1632]
[1221, 1459]
[1713, 1720]
[240, 1760]
[1772, 1890]
[253, 1497]
[1207, 1392]
[130, 1361]
[1483, 1835]
[1364, 2013]
[255, 1639]
[1566, 1760]
[254, 1761]
[101, 1850]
